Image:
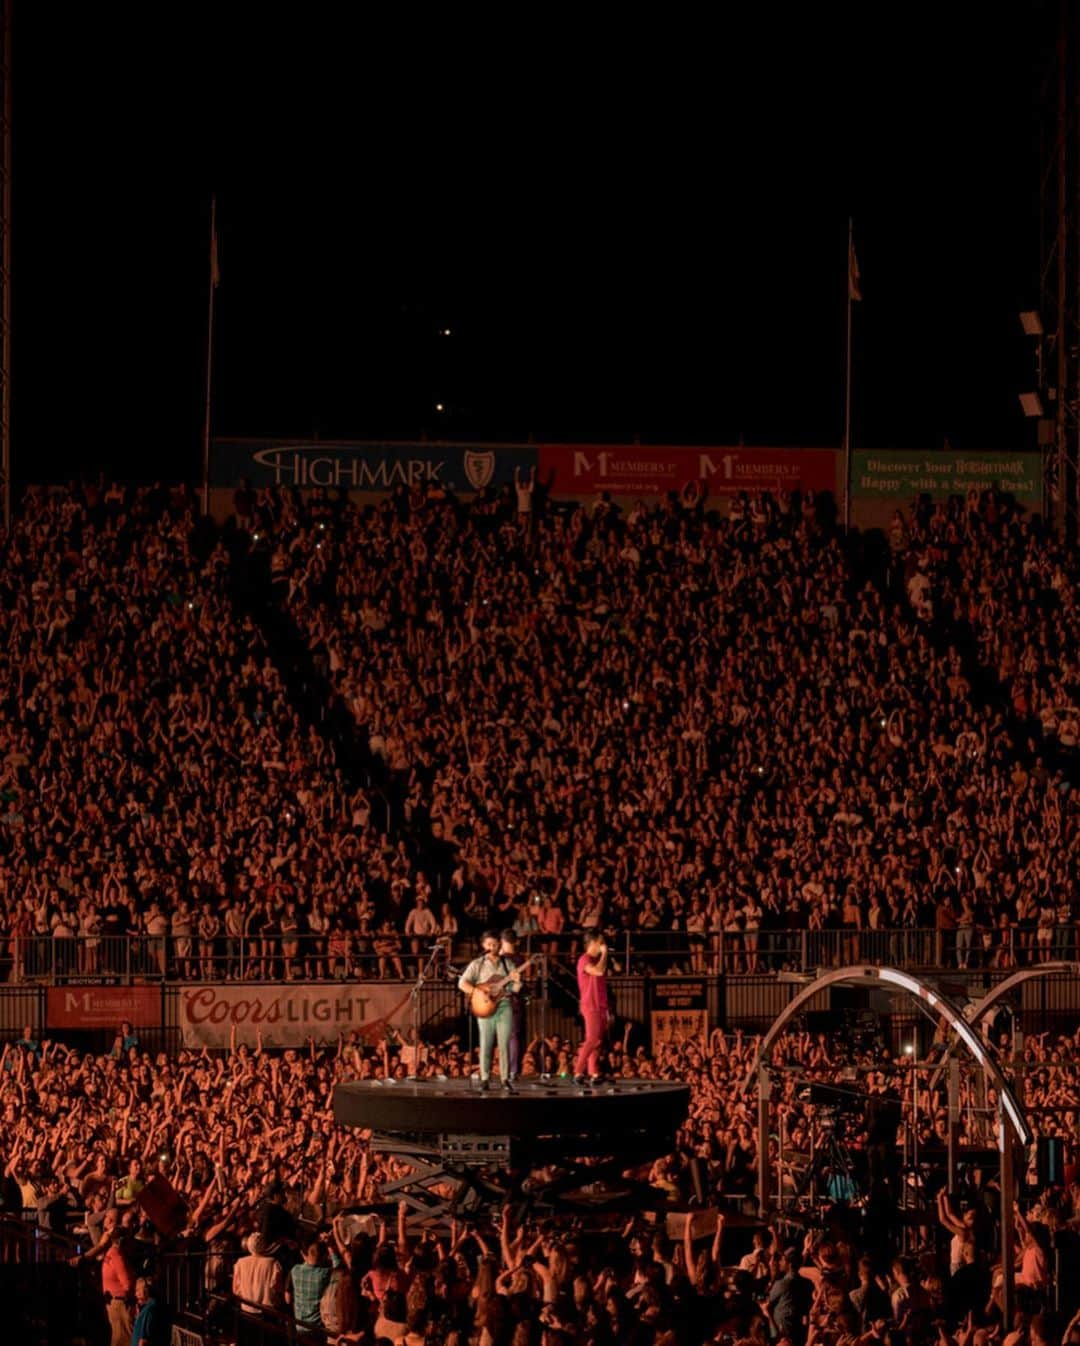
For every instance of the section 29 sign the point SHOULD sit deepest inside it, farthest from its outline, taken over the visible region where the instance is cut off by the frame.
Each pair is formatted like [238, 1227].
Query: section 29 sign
[286, 1016]
[367, 467]
[581, 469]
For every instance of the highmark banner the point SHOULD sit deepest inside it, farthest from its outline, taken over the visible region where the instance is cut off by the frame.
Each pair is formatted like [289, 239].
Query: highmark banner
[288, 1015]
[366, 467]
[904, 473]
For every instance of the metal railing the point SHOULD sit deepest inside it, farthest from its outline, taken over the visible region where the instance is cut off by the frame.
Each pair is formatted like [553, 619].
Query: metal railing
[45, 1298]
[196, 1283]
[750, 953]
[246, 1324]
[48, 958]
[157, 958]
[283, 957]
[749, 1001]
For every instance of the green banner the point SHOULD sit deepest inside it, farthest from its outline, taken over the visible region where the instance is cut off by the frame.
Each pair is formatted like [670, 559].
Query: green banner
[903, 473]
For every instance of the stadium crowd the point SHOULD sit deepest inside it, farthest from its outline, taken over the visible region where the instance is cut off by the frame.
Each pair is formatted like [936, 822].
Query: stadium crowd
[659, 720]
[656, 720]
[670, 721]
[156, 780]
[282, 1206]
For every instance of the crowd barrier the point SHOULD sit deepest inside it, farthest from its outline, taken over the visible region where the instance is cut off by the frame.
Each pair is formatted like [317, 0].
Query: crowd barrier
[47, 1299]
[169, 1015]
[145, 959]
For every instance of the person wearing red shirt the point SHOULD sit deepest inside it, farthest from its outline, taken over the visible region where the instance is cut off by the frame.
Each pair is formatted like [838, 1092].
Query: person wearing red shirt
[592, 989]
[118, 1283]
[117, 1278]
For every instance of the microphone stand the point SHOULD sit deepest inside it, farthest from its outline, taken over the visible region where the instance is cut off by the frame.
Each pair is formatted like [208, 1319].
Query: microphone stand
[421, 981]
[544, 1063]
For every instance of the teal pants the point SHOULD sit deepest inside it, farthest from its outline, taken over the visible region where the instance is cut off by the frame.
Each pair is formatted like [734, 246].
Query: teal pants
[497, 1027]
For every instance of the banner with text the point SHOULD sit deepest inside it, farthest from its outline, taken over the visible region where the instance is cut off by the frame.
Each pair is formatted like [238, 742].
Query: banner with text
[900, 475]
[102, 1006]
[288, 1015]
[366, 467]
[678, 1009]
[581, 469]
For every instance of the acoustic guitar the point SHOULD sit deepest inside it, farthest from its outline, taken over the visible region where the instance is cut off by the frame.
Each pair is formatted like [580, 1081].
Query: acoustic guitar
[485, 997]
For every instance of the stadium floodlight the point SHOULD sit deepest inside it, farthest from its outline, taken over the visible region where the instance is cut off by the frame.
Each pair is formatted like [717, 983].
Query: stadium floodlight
[1032, 405]
[1031, 323]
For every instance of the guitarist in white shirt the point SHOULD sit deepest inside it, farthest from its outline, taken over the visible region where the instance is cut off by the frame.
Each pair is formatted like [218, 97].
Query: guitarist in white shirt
[497, 1026]
[508, 947]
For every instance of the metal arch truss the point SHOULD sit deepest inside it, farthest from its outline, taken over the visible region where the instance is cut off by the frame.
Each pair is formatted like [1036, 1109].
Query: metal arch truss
[997, 993]
[941, 1005]
[1012, 1123]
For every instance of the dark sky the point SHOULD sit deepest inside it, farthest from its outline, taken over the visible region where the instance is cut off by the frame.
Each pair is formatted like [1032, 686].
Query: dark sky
[628, 231]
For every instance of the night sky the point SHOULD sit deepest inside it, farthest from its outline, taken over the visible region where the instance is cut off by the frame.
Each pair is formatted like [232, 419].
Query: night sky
[629, 231]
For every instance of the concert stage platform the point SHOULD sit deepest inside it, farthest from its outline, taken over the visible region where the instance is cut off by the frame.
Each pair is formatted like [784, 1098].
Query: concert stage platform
[551, 1142]
[536, 1108]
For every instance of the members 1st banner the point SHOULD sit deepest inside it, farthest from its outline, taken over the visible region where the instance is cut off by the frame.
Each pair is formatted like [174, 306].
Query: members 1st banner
[650, 470]
[286, 1016]
[102, 1006]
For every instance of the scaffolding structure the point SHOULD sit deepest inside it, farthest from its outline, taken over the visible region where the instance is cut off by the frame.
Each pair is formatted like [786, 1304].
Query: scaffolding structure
[1013, 1129]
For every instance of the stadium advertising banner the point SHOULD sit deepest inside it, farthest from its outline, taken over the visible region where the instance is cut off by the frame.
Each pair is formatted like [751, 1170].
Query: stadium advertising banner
[102, 1006]
[678, 1009]
[900, 475]
[375, 468]
[287, 1015]
[582, 469]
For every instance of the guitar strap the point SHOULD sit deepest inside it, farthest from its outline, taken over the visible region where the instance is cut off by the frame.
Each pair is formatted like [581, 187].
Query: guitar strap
[507, 971]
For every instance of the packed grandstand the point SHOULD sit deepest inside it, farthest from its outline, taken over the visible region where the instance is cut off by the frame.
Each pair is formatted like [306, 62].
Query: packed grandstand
[328, 733]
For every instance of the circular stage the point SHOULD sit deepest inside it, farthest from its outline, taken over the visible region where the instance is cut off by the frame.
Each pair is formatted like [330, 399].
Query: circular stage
[537, 1108]
[553, 1143]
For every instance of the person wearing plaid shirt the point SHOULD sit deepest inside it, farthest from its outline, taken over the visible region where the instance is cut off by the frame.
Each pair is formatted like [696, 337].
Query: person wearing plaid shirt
[307, 1281]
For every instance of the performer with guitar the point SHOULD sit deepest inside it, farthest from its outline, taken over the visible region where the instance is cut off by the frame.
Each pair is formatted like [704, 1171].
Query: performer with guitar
[508, 947]
[485, 982]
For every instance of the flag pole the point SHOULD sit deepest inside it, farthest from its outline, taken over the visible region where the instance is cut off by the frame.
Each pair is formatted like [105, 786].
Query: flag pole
[847, 383]
[6, 102]
[209, 357]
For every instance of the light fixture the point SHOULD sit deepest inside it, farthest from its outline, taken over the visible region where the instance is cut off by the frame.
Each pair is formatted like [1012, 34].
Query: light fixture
[439, 406]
